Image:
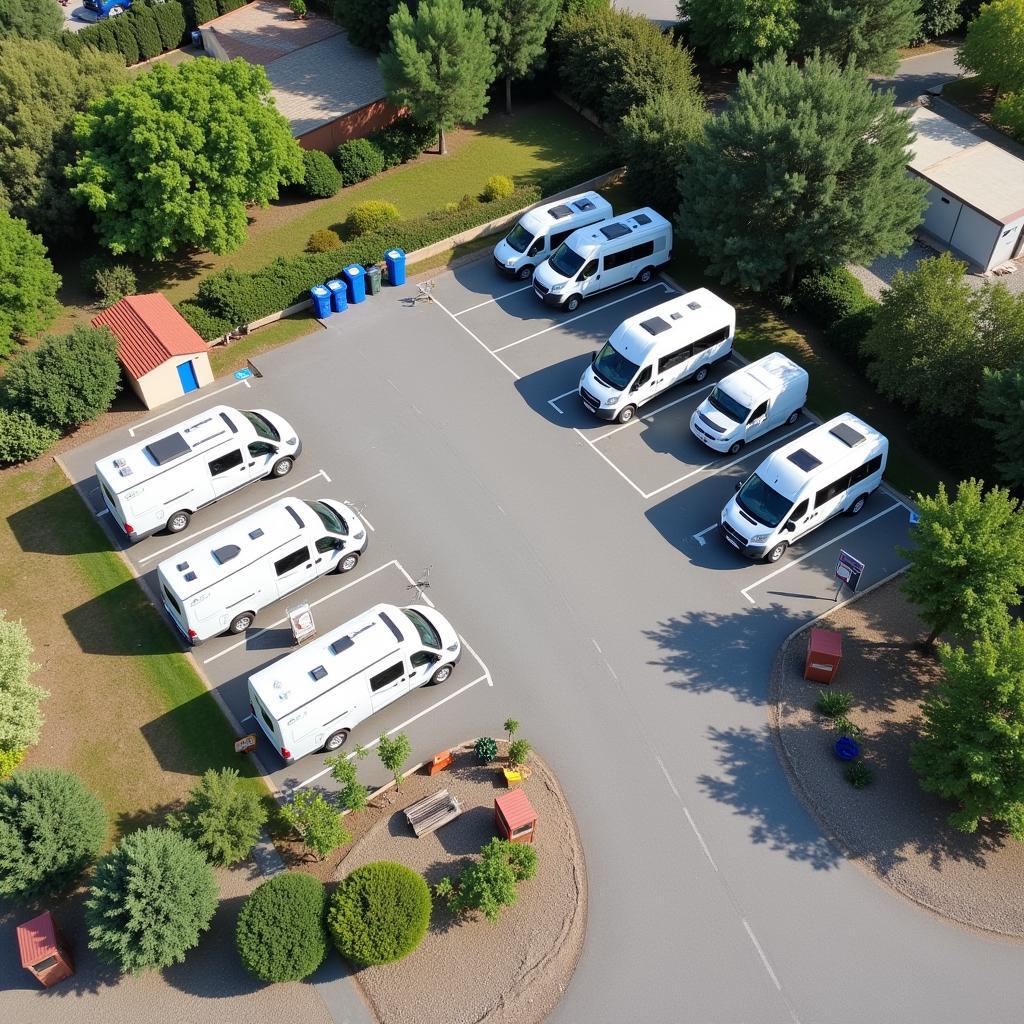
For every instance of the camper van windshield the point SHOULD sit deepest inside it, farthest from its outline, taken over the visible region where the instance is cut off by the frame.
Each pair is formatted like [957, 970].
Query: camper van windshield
[728, 406]
[762, 502]
[263, 427]
[428, 635]
[614, 368]
[329, 518]
[519, 238]
[565, 261]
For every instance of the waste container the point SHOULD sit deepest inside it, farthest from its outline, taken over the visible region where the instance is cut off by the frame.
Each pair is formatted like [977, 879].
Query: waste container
[321, 301]
[355, 282]
[373, 279]
[395, 260]
[197, 39]
[339, 301]
[824, 653]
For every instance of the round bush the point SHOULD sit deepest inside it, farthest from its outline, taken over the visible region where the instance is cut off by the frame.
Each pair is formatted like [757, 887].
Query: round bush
[357, 160]
[21, 438]
[112, 284]
[322, 179]
[498, 187]
[379, 913]
[373, 215]
[323, 240]
[280, 933]
[9, 760]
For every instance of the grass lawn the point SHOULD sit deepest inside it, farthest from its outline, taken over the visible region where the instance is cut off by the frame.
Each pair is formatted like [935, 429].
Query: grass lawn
[226, 359]
[127, 711]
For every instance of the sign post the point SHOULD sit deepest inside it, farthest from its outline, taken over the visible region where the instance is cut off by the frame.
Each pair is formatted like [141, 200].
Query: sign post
[849, 571]
[301, 620]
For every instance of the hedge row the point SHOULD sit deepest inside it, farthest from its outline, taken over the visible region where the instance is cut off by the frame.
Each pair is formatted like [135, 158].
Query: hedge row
[836, 300]
[141, 33]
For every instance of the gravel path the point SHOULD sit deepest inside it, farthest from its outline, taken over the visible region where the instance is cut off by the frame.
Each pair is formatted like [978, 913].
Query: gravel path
[892, 828]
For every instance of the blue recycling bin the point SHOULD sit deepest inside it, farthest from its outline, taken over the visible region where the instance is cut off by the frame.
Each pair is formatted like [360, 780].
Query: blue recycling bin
[321, 301]
[395, 260]
[355, 282]
[339, 302]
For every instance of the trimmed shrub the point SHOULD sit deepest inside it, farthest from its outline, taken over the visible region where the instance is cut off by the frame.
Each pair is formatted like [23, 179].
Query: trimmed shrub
[403, 140]
[170, 21]
[322, 179]
[143, 20]
[127, 40]
[113, 283]
[9, 760]
[21, 438]
[486, 749]
[357, 160]
[227, 6]
[831, 295]
[298, 8]
[498, 187]
[280, 933]
[373, 215]
[323, 240]
[203, 11]
[205, 324]
[379, 913]
[51, 828]
[101, 35]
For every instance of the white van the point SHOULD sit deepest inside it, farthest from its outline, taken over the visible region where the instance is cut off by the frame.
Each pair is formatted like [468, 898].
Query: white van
[594, 259]
[833, 468]
[157, 484]
[748, 403]
[311, 699]
[540, 231]
[219, 584]
[650, 352]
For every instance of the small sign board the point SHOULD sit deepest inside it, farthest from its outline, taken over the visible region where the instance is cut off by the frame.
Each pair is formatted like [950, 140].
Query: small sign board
[849, 570]
[245, 744]
[243, 373]
[301, 620]
[914, 518]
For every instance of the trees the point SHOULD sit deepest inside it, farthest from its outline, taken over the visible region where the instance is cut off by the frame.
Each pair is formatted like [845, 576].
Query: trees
[939, 17]
[738, 31]
[317, 822]
[353, 793]
[222, 817]
[967, 563]
[994, 46]
[518, 33]
[51, 828]
[819, 159]
[870, 32]
[367, 24]
[489, 884]
[1001, 402]
[20, 717]
[439, 64]
[30, 19]
[170, 159]
[28, 285]
[393, 754]
[972, 747]
[152, 897]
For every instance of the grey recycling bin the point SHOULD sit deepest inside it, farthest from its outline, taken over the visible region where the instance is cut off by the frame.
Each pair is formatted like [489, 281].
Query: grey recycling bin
[373, 279]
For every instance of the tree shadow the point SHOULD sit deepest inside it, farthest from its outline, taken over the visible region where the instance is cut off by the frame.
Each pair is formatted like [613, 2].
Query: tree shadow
[155, 815]
[98, 625]
[58, 524]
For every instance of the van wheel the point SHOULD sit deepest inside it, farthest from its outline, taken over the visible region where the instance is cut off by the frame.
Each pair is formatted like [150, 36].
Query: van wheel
[573, 303]
[701, 374]
[793, 417]
[348, 562]
[626, 414]
[179, 521]
[858, 504]
[283, 466]
[776, 552]
[441, 675]
[645, 275]
[736, 447]
[525, 273]
[336, 740]
[240, 623]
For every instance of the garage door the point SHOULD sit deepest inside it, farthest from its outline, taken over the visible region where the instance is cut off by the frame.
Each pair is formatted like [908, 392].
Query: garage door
[975, 236]
[940, 217]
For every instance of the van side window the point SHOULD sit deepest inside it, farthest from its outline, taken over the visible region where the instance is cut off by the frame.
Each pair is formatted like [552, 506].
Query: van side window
[759, 412]
[231, 460]
[422, 658]
[800, 511]
[674, 358]
[643, 378]
[834, 488]
[589, 270]
[712, 339]
[624, 256]
[536, 247]
[388, 676]
[261, 448]
[558, 238]
[325, 544]
[291, 561]
[863, 472]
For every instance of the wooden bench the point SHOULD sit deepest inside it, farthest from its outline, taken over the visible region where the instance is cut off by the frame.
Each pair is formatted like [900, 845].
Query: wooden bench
[430, 813]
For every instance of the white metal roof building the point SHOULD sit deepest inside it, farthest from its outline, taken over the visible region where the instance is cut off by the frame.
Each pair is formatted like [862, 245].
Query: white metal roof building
[976, 198]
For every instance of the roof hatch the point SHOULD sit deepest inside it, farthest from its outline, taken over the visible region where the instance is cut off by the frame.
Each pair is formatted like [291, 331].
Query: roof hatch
[584, 204]
[226, 553]
[642, 218]
[167, 449]
[803, 459]
[847, 434]
[318, 673]
[656, 325]
[615, 230]
[343, 643]
[558, 212]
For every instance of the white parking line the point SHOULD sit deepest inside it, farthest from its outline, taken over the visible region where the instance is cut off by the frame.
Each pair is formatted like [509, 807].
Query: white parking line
[593, 447]
[496, 298]
[487, 671]
[201, 398]
[655, 412]
[760, 953]
[821, 547]
[580, 316]
[227, 519]
[699, 537]
[490, 352]
[565, 394]
[105, 512]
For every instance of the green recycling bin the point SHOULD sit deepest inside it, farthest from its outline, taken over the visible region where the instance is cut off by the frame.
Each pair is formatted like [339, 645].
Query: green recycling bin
[373, 279]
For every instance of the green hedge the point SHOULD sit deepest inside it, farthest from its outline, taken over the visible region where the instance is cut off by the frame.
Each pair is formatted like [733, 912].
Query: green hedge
[205, 324]
[836, 300]
[141, 33]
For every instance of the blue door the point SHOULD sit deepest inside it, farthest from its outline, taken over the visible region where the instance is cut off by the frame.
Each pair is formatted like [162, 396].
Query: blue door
[187, 375]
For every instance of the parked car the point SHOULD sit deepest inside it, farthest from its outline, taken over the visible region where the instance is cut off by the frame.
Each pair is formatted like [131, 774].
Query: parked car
[96, 10]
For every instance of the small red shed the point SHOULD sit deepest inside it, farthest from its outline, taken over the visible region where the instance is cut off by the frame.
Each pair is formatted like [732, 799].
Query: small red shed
[824, 653]
[514, 817]
[44, 952]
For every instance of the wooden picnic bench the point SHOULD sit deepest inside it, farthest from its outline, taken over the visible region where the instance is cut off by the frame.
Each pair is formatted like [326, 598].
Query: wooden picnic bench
[430, 813]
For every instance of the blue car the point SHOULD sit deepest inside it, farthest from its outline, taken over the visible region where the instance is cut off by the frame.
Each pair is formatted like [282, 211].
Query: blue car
[94, 10]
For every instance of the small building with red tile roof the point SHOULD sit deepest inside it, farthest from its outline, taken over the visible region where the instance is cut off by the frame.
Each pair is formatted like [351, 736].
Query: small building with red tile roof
[162, 355]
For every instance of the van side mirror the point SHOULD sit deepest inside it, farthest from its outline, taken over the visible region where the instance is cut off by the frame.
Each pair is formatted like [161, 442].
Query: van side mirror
[339, 544]
[593, 358]
[739, 484]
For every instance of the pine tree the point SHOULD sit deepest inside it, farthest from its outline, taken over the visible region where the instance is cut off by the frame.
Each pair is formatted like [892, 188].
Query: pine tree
[869, 32]
[1002, 412]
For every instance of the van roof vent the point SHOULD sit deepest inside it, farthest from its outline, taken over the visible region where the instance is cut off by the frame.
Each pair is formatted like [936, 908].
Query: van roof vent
[693, 305]
[558, 212]
[319, 672]
[122, 467]
[166, 449]
[181, 566]
[615, 230]
[255, 534]
[642, 218]
[847, 434]
[804, 460]
[232, 427]
[295, 515]
[584, 204]
[675, 316]
[656, 325]
[343, 643]
[190, 577]
[226, 553]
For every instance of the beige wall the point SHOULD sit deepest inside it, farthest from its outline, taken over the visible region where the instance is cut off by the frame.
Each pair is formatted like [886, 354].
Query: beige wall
[163, 384]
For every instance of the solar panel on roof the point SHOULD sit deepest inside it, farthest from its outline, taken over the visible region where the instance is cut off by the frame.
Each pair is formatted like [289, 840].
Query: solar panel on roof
[558, 212]
[847, 434]
[656, 325]
[642, 218]
[693, 305]
[319, 672]
[615, 230]
[803, 459]
[584, 204]
[226, 553]
[255, 534]
[167, 449]
[341, 644]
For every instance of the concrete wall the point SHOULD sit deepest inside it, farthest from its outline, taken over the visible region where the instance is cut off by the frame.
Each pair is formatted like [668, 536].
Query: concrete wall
[975, 236]
[163, 384]
[356, 125]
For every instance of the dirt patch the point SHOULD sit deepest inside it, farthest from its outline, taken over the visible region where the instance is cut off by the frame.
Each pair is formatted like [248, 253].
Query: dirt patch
[892, 827]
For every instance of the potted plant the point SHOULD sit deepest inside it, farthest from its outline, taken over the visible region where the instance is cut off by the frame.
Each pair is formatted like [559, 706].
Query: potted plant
[298, 8]
[516, 769]
[486, 750]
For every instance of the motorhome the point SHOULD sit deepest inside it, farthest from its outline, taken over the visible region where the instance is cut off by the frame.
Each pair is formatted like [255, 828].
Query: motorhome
[311, 699]
[651, 352]
[219, 584]
[745, 405]
[603, 256]
[158, 483]
[833, 468]
[540, 231]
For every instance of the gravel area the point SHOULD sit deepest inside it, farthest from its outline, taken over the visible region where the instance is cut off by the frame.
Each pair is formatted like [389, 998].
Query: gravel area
[892, 827]
[469, 971]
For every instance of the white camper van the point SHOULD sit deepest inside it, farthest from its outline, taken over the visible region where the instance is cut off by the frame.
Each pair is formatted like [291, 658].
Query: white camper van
[157, 484]
[311, 699]
[594, 259]
[219, 584]
[833, 468]
[650, 352]
[540, 231]
[748, 403]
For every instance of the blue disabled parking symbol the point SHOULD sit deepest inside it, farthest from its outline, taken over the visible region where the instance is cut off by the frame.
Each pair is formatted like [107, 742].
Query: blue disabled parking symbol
[243, 373]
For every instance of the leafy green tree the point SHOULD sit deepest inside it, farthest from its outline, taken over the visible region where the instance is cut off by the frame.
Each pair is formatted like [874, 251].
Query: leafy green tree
[353, 793]
[317, 822]
[67, 380]
[1008, 113]
[869, 32]
[972, 747]
[393, 754]
[938, 17]
[30, 19]
[28, 285]
[22, 439]
[152, 897]
[439, 64]
[490, 883]
[740, 31]
[518, 33]
[994, 46]
[222, 817]
[170, 159]
[20, 717]
[511, 727]
[967, 563]
[367, 24]
[1002, 413]
[51, 828]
